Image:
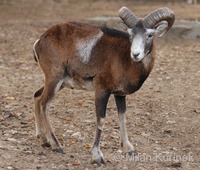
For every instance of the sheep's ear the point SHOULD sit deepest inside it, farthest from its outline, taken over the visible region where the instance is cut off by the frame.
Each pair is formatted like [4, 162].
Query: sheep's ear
[123, 25]
[160, 28]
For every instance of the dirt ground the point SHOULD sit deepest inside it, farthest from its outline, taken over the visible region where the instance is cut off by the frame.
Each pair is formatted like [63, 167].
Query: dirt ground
[163, 117]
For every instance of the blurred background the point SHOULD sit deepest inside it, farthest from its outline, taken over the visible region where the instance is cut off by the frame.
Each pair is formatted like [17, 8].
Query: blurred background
[79, 9]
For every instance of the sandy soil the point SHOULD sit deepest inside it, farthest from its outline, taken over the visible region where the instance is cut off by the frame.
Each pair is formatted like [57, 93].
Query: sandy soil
[162, 118]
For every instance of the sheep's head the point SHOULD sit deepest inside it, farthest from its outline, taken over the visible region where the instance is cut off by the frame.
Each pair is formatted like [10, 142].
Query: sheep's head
[142, 31]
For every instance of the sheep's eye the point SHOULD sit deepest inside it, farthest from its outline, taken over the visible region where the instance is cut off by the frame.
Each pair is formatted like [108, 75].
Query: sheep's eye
[150, 35]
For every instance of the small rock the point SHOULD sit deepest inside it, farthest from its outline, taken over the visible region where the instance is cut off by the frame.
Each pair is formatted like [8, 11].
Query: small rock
[167, 131]
[29, 152]
[171, 122]
[10, 98]
[174, 149]
[77, 136]
[10, 168]
[145, 134]
[14, 132]
[69, 131]
[71, 156]
[88, 121]
[75, 163]
[119, 151]
[6, 134]
[17, 114]
[62, 167]
[88, 145]
[12, 140]
[175, 165]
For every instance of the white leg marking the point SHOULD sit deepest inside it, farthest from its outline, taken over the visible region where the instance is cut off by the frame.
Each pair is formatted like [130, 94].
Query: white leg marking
[123, 133]
[58, 86]
[85, 46]
[101, 124]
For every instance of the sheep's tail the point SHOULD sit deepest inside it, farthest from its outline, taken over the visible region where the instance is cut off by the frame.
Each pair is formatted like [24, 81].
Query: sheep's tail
[36, 57]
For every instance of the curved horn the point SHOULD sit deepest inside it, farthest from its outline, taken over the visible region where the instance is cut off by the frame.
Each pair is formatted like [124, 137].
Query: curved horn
[161, 14]
[128, 17]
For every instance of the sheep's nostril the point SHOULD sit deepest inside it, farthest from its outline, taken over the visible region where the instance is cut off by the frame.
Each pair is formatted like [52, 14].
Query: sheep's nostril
[136, 54]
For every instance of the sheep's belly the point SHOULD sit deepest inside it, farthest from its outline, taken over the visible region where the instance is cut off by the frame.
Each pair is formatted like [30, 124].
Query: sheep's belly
[78, 84]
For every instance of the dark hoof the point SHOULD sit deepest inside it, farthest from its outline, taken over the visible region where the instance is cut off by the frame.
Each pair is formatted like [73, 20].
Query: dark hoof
[46, 145]
[103, 161]
[132, 153]
[58, 150]
[99, 162]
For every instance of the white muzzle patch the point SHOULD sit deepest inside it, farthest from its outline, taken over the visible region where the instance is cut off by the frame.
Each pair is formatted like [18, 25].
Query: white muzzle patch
[137, 49]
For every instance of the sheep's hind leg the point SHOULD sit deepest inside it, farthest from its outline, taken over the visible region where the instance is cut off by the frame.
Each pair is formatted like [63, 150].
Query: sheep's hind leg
[42, 112]
[40, 133]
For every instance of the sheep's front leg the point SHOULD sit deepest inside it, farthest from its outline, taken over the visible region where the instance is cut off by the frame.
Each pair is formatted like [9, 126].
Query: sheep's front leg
[101, 100]
[121, 107]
